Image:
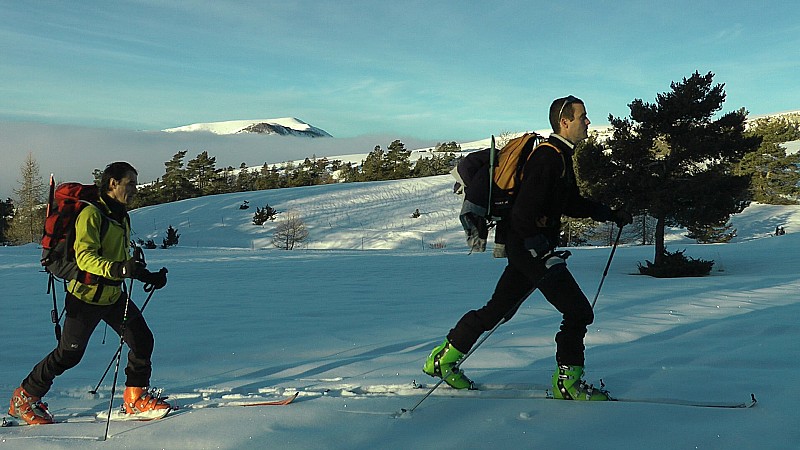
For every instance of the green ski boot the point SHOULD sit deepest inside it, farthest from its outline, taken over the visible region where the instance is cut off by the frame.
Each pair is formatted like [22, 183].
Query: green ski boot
[568, 385]
[442, 363]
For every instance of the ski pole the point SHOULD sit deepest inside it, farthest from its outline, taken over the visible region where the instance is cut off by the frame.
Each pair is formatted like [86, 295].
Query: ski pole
[608, 264]
[117, 355]
[469, 353]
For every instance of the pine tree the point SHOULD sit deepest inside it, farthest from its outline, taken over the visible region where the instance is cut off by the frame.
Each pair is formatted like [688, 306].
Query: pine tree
[175, 183]
[575, 231]
[202, 171]
[268, 178]
[225, 181]
[151, 194]
[712, 233]
[436, 164]
[373, 168]
[29, 216]
[262, 215]
[398, 164]
[672, 160]
[643, 227]
[171, 239]
[245, 179]
[6, 216]
[447, 147]
[775, 176]
[259, 217]
[349, 173]
[304, 174]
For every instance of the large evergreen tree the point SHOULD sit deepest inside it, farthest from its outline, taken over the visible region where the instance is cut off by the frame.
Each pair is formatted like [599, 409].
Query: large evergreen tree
[672, 160]
[398, 164]
[373, 168]
[149, 194]
[775, 176]
[202, 171]
[176, 184]
[246, 179]
[268, 178]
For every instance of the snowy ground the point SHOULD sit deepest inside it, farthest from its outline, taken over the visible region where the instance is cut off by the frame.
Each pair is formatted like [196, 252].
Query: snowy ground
[240, 320]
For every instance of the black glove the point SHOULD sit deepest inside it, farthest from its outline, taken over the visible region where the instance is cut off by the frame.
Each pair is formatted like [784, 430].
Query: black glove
[621, 218]
[153, 280]
[130, 268]
[538, 245]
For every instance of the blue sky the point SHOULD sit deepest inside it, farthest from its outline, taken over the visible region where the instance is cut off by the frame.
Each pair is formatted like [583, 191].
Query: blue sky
[451, 70]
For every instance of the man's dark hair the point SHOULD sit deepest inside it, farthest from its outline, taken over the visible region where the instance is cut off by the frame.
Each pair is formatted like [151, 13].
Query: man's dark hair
[562, 107]
[117, 171]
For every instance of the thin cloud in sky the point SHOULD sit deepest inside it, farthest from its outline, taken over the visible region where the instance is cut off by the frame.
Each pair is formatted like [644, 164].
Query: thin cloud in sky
[232, 49]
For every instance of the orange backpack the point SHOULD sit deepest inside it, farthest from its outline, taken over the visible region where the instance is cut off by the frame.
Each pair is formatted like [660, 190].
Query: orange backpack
[490, 179]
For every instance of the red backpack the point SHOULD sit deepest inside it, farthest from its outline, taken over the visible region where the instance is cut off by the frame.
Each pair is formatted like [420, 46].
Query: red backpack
[58, 240]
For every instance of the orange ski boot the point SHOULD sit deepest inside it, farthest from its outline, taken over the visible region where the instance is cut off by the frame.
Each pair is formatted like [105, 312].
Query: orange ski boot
[141, 402]
[29, 408]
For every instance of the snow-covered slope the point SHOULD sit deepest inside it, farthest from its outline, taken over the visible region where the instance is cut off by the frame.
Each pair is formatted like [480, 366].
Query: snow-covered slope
[375, 215]
[349, 330]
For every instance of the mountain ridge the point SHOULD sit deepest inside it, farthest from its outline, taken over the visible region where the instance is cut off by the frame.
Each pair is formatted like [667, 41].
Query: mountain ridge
[284, 126]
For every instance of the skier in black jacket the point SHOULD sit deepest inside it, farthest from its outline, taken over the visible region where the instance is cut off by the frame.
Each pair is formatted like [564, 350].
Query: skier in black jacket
[548, 190]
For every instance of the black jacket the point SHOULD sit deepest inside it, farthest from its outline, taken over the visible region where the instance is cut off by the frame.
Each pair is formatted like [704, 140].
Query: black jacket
[548, 191]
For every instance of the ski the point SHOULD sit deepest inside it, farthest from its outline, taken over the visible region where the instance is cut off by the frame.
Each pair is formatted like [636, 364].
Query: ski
[669, 401]
[533, 392]
[281, 402]
[244, 403]
[116, 416]
[490, 391]
[80, 418]
[530, 391]
[121, 416]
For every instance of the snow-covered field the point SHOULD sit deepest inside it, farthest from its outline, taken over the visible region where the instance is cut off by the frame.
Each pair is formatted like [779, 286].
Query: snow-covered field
[360, 306]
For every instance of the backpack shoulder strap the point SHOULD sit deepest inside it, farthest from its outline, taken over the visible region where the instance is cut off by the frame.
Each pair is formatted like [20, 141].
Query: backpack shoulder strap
[105, 220]
[558, 150]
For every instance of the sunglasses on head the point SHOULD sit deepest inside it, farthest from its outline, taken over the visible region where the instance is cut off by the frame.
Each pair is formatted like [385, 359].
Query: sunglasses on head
[567, 101]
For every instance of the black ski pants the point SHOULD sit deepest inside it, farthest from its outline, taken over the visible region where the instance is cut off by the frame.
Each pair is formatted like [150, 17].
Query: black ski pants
[81, 320]
[521, 277]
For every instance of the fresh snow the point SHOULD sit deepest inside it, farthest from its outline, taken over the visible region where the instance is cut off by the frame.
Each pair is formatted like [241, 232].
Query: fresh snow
[356, 311]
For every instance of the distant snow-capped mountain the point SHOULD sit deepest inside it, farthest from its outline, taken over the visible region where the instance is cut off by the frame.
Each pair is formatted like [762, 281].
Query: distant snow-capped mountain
[287, 126]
